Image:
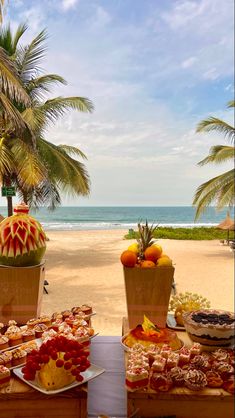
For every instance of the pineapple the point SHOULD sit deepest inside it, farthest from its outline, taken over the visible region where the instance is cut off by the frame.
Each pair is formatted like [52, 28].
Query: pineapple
[146, 238]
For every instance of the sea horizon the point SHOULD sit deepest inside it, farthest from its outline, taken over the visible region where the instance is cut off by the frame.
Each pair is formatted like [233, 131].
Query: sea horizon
[122, 217]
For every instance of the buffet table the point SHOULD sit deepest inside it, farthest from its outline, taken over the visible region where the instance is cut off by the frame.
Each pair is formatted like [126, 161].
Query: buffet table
[21, 401]
[180, 402]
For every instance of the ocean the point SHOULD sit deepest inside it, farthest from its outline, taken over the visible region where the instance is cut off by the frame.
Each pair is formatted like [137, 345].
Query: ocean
[125, 217]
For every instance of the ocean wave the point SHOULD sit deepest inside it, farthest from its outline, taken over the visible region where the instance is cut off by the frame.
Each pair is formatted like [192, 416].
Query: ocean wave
[77, 226]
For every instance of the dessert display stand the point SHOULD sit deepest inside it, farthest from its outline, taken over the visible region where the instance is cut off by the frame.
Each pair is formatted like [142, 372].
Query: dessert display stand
[19, 400]
[180, 402]
[21, 292]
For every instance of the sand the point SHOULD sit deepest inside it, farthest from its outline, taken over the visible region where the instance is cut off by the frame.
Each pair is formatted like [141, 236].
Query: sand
[84, 267]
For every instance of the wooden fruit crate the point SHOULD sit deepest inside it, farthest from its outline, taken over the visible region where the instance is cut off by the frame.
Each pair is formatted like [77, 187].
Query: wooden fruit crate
[148, 292]
[21, 292]
[21, 401]
[179, 402]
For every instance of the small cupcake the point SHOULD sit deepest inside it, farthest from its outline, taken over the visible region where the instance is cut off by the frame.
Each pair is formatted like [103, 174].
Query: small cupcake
[66, 313]
[221, 355]
[200, 362]
[44, 319]
[40, 329]
[214, 380]
[195, 379]
[56, 315]
[4, 342]
[75, 310]
[56, 324]
[32, 322]
[28, 335]
[5, 376]
[86, 309]
[6, 359]
[29, 346]
[160, 382]
[224, 369]
[15, 338]
[177, 375]
[18, 356]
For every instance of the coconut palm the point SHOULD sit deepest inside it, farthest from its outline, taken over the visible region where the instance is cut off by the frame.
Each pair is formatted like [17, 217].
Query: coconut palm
[61, 171]
[220, 189]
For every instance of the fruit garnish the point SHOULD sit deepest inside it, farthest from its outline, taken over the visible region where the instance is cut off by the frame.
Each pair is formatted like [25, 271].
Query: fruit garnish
[188, 302]
[149, 327]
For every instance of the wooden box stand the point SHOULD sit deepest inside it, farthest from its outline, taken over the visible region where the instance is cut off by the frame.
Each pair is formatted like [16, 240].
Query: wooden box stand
[21, 292]
[148, 292]
[179, 402]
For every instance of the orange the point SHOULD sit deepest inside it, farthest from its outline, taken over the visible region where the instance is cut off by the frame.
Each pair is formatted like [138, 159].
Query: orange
[153, 252]
[147, 264]
[128, 258]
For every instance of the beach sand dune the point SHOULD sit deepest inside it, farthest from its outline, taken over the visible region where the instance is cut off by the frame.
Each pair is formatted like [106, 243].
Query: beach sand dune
[84, 267]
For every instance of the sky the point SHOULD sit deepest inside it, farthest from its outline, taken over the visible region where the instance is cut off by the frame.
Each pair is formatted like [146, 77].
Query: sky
[153, 69]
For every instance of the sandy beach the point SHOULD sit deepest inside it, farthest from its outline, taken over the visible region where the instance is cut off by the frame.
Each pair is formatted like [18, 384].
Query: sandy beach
[84, 267]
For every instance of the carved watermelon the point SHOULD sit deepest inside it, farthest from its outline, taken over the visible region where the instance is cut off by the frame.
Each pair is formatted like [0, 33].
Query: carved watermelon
[22, 239]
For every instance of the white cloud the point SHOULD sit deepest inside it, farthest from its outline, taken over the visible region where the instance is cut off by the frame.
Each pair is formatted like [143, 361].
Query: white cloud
[189, 62]
[211, 74]
[68, 4]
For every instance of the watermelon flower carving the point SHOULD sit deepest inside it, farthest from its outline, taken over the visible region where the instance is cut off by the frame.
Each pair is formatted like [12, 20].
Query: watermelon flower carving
[22, 239]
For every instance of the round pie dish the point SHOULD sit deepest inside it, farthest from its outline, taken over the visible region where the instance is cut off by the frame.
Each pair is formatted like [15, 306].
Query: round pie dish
[210, 326]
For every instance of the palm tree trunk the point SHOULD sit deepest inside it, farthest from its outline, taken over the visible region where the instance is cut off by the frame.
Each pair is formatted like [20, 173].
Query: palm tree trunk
[7, 182]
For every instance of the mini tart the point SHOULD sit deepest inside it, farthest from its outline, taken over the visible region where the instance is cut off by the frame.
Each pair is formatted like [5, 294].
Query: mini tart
[5, 376]
[18, 357]
[4, 342]
[28, 335]
[160, 382]
[39, 329]
[210, 327]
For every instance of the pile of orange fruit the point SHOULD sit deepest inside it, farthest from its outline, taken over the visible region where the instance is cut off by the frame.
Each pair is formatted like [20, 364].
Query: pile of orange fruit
[152, 257]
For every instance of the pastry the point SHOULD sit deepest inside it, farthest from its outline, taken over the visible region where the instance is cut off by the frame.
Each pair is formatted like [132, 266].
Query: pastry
[177, 376]
[4, 342]
[152, 352]
[18, 356]
[28, 335]
[195, 379]
[40, 329]
[172, 360]
[195, 350]
[14, 334]
[165, 351]
[159, 363]
[32, 322]
[66, 313]
[86, 309]
[210, 326]
[5, 376]
[223, 368]
[214, 380]
[221, 355]
[160, 382]
[44, 319]
[200, 362]
[6, 359]
[184, 356]
[136, 378]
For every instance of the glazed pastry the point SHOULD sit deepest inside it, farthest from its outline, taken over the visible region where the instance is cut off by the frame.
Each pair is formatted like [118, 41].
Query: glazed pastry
[160, 382]
[32, 322]
[200, 362]
[4, 342]
[177, 375]
[159, 364]
[221, 355]
[195, 379]
[5, 376]
[136, 378]
[18, 356]
[214, 380]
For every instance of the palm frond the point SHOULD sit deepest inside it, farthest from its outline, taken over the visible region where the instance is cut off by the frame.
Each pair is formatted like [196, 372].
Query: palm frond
[19, 32]
[2, 4]
[10, 83]
[38, 86]
[70, 150]
[231, 103]
[29, 57]
[12, 114]
[213, 191]
[219, 154]
[6, 158]
[215, 124]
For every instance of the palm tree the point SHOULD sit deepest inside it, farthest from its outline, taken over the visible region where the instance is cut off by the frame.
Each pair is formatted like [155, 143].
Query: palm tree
[60, 171]
[219, 189]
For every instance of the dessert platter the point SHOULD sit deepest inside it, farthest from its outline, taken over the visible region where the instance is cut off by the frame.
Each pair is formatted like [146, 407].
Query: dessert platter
[149, 335]
[162, 370]
[50, 353]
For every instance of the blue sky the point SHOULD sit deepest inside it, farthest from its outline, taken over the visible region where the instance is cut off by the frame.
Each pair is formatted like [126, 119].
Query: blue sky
[153, 69]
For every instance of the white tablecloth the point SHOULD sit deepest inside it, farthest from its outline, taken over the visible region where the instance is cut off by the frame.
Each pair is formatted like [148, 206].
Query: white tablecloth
[106, 393]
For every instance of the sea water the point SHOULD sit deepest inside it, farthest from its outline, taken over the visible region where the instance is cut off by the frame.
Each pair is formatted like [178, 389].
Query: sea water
[122, 217]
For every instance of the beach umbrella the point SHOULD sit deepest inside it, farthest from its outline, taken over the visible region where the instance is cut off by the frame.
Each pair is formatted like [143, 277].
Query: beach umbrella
[227, 224]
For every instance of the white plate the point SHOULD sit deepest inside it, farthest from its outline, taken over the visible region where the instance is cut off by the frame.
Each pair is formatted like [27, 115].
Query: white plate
[89, 374]
[126, 348]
